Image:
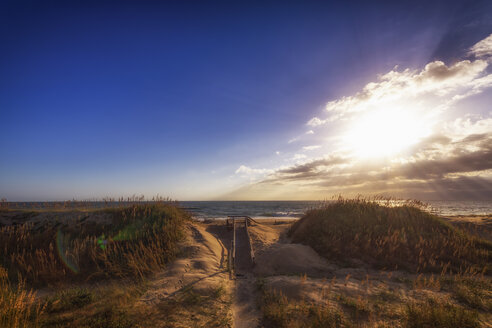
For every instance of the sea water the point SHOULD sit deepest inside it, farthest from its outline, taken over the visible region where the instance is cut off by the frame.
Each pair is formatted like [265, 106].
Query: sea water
[295, 209]
[272, 209]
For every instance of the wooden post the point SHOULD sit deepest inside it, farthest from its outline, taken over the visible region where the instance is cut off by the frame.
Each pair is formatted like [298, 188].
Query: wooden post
[252, 252]
[231, 261]
[234, 244]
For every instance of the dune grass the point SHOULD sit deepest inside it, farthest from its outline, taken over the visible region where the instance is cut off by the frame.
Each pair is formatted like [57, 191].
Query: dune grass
[435, 313]
[391, 237]
[437, 258]
[18, 306]
[281, 312]
[83, 246]
[125, 242]
[109, 306]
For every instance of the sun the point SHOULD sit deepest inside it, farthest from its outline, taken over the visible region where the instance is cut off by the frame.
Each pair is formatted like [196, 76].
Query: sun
[384, 133]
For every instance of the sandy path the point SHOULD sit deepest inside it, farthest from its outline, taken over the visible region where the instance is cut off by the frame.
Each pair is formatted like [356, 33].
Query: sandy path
[275, 256]
[202, 269]
[245, 309]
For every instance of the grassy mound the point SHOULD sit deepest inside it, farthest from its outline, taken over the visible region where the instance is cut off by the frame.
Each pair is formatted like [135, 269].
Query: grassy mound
[116, 242]
[404, 236]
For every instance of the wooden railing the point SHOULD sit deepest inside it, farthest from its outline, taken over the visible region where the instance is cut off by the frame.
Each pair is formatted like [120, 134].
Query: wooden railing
[231, 263]
[231, 223]
[250, 242]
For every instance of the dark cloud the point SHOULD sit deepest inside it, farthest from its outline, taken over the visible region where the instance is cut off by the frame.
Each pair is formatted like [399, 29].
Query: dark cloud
[313, 166]
[483, 137]
[461, 161]
[425, 176]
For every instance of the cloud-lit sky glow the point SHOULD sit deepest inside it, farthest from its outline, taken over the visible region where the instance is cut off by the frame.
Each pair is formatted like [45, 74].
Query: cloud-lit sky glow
[253, 101]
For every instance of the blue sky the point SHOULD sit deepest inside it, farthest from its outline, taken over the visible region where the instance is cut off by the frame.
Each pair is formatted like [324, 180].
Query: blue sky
[210, 100]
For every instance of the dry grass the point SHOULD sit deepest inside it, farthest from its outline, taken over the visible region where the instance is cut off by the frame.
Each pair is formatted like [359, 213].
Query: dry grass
[280, 312]
[200, 308]
[135, 241]
[18, 306]
[385, 308]
[391, 237]
[442, 272]
[474, 292]
[109, 306]
[436, 313]
[127, 242]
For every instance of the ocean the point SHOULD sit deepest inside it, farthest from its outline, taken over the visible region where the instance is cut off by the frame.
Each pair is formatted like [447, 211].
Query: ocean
[295, 209]
[270, 209]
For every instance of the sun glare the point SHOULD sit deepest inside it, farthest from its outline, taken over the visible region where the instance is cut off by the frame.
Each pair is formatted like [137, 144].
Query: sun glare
[384, 133]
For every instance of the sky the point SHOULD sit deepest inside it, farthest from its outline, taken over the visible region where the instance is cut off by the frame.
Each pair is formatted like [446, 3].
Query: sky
[248, 100]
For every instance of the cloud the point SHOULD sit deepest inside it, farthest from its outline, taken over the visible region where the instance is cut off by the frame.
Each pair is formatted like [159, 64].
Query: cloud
[467, 125]
[311, 147]
[453, 160]
[246, 170]
[293, 140]
[299, 156]
[311, 167]
[310, 132]
[437, 162]
[315, 122]
[397, 86]
[465, 78]
[482, 48]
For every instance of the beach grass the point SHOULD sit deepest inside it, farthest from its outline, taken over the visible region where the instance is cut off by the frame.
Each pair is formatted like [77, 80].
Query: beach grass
[83, 247]
[442, 273]
[401, 237]
[281, 312]
[127, 242]
[18, 305]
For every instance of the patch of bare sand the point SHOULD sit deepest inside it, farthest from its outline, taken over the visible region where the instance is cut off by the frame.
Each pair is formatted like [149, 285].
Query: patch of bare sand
[479, 219]
[275, 256]
[290, 259]
[309, 289]
[174, 297]
[479, 225]
[202, 267]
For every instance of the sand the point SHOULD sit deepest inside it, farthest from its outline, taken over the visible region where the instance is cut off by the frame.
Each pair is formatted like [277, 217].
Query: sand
[203, 268]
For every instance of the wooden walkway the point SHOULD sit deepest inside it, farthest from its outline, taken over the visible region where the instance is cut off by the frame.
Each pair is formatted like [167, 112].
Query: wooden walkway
[241, 263]
[241, 252]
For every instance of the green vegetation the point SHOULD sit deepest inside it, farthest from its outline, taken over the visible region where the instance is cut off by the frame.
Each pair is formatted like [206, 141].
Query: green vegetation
[391, 237]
